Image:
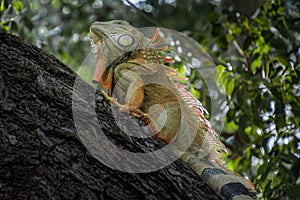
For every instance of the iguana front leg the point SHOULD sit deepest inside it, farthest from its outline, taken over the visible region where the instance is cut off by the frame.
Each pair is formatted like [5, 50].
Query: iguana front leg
[135, 112]
[128, 88]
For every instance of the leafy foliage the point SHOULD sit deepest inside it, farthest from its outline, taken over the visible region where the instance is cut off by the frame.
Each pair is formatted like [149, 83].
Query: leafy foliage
[264, 102]
[256, 45]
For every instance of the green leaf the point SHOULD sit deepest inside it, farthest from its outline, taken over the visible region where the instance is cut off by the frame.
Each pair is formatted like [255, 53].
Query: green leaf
[220, 69]
[230, 127]
[283, 60]
[2, 7]
[219, 72]
[195, 92]
[261, 169]
[267, 70]
[255, 65]
[229, 85]
[18, 6]
[230, 115]
[56, 3]
[4, 27]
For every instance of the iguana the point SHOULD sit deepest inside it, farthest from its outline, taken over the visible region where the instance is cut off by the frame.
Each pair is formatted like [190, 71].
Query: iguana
[133, 71]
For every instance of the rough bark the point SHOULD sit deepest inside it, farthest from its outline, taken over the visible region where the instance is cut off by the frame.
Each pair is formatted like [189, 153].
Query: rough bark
[41, 156]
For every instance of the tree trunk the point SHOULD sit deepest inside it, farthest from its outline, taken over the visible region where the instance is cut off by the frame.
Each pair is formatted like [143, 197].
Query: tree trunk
[42, 155]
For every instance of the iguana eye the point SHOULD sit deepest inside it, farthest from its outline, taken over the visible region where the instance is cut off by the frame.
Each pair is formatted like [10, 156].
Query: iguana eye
[125, 40]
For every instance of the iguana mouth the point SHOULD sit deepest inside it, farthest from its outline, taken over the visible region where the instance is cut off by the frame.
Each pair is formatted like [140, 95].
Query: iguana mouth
[95, 39]
[96, 33]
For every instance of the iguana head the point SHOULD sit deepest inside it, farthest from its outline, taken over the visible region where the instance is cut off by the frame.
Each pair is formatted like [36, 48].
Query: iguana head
[117, 34]
[112, 40]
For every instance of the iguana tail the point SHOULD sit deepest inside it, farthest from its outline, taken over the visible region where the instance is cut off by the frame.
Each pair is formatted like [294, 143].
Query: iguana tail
[226, 183]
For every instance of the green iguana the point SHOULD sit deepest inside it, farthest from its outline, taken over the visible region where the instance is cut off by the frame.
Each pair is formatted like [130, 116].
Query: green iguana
[131, 68]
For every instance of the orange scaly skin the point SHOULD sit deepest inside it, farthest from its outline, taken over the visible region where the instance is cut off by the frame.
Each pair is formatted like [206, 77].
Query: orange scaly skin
[131, 69]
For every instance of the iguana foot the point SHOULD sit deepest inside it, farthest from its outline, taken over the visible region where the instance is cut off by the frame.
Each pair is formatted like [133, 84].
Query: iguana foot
[111, 99]
[133, 111]
[137, 113]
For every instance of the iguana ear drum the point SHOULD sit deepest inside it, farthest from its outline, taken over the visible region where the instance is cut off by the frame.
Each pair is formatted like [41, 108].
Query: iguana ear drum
[126, 40]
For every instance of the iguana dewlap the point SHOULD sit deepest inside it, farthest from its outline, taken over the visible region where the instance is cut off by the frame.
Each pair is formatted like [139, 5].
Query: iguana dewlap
[130, 67]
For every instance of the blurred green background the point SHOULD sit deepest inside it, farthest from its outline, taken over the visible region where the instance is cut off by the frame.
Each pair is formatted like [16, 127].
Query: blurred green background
[254, 43]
